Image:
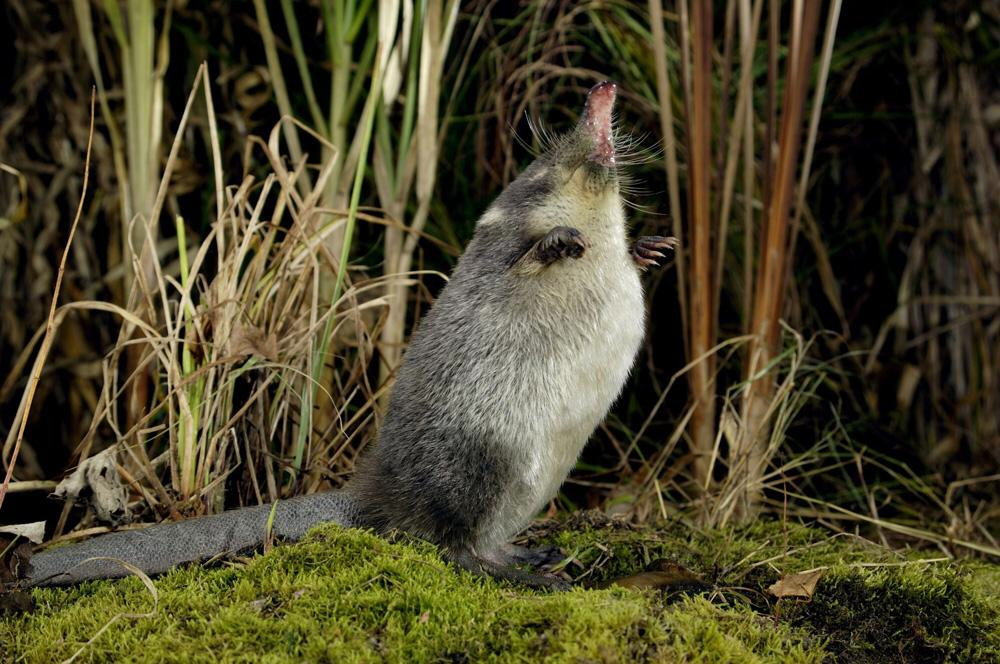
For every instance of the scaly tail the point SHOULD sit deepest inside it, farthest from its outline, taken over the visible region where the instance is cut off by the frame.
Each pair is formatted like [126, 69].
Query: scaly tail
[159, 548]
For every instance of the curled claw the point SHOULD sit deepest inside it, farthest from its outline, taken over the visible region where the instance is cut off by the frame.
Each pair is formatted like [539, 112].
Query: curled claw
[647, 249]
[561, 242]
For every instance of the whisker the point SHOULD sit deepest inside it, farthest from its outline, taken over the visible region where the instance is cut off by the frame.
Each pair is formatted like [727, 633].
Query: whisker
[642, 208]
[546, 139]
[523, 143]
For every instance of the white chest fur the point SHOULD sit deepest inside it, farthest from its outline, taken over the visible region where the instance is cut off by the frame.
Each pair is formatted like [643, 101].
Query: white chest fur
[593, 310]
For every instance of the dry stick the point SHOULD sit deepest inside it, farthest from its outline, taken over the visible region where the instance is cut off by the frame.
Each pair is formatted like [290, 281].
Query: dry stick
[796, 35]
[670, 151]
[747, 35]
[824, 71]
[770, 288]
[701, 283]
[790, 151]
[743, 101]
[726, 76]
[220, 189]
[43, 352]
[684, 27]
[32, 485]
[773, 27]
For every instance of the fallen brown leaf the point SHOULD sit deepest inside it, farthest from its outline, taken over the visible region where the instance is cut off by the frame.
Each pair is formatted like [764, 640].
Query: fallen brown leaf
[15, 557]
[16, 602]
[664, 575]
[801, 585]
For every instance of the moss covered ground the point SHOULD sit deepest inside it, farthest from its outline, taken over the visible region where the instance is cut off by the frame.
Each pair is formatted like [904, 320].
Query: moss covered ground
[349, 596]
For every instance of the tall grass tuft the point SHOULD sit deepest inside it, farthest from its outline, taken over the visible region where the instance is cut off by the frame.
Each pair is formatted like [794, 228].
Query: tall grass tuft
[409, 134]
[142, 57]
[406, 43]
[231, 343]
[711, 191]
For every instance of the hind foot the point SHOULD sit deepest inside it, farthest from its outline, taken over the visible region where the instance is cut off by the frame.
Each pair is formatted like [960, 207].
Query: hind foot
[542, 556]
[648, 249]
[488, 567]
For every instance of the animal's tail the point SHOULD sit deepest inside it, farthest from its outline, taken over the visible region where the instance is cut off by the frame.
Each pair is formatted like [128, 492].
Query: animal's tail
[157, 549]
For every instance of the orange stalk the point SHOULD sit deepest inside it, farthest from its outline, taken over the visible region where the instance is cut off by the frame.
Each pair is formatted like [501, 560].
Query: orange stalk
[702, 286]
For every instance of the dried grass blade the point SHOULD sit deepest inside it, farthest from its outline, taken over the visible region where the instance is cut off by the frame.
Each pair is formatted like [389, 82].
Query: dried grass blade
[43, 351]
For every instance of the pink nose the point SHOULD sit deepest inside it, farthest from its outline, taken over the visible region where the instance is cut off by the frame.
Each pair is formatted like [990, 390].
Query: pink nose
[604, 89]
[597, 120]
[600, 101]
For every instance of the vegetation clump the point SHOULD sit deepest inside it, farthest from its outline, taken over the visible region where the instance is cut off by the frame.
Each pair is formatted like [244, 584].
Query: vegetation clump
[347, 595]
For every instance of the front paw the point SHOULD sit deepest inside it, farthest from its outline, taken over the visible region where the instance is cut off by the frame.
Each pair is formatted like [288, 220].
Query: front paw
[647, 249]
[561, 242]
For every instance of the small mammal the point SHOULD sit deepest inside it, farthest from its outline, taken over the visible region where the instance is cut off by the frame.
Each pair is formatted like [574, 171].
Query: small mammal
[505, 379]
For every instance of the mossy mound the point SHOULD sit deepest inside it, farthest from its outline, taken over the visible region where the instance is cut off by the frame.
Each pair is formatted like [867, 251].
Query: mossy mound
[871, 604]
[346, 595]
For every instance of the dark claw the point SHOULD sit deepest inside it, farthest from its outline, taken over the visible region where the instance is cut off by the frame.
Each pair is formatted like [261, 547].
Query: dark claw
[561, 242]
[645, 251]
[541, 557]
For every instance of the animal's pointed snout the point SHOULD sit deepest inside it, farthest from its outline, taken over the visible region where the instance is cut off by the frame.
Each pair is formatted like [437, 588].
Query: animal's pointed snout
[596, 120]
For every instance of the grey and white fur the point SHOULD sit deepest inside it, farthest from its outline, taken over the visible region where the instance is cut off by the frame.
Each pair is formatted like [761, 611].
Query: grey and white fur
[505, 379]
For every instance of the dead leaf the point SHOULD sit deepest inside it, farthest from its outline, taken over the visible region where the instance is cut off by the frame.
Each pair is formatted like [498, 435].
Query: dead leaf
[252, 90]
[16, 602]
[424, 617]
[15, 558]
[800, 585]
[96, 481]
[33, 532]
[908, 382]
[664, 575]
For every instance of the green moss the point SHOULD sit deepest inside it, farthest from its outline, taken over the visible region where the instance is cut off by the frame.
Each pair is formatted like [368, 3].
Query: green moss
[350, 596]
[727, 556]
[871, 605]
[902, 614]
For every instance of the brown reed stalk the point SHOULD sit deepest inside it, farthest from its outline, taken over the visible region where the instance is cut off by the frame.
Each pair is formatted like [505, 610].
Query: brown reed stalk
[711, 196]
[749, 456]
[703, 290]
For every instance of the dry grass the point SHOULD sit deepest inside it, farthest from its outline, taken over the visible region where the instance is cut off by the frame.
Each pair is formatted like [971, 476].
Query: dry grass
[223, 370]
[946, 322]
[228, 347]
[12, 447]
